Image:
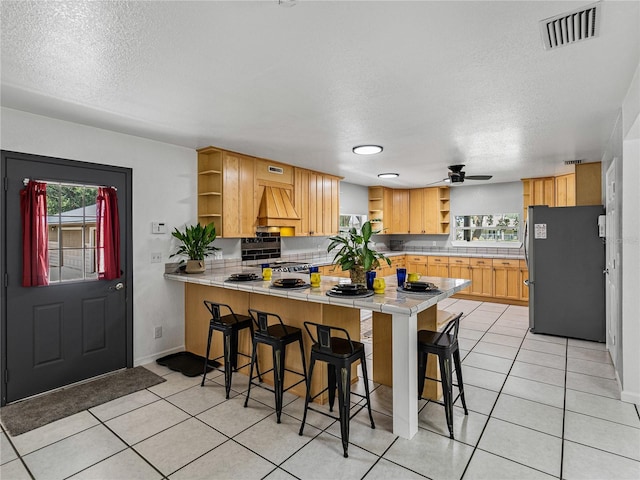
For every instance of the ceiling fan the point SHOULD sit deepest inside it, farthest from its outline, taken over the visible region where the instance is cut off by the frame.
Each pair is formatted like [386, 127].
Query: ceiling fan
[456, 175]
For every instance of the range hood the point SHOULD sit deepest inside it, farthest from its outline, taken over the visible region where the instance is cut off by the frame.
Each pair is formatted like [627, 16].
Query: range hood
[276, 209]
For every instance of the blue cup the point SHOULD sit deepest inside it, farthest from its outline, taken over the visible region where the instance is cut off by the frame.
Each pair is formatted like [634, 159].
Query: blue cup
[370, 277]
[401, 274]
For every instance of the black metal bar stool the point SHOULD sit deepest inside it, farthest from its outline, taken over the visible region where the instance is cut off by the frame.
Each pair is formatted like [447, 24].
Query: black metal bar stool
[444, 344]
[339, 353]
[229, 325]
[277, 336]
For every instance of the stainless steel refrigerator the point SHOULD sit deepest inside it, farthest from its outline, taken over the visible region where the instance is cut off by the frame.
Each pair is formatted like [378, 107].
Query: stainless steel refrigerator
[566, 260]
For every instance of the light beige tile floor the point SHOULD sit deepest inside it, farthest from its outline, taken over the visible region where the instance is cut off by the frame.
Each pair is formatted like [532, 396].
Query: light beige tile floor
[540, 407]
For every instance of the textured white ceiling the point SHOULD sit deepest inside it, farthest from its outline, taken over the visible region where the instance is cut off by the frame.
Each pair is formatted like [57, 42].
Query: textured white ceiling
[435, 83]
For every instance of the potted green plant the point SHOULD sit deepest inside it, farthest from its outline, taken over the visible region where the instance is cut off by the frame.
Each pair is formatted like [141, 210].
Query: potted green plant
[354, 253]
[196, 243]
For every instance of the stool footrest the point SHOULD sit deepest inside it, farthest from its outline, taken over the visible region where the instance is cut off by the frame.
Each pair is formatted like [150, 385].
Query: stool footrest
[439, 402]
[260, 385]
[359, 408]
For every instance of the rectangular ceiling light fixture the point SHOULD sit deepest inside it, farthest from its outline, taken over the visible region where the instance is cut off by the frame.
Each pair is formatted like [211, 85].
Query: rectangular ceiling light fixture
[571, 27]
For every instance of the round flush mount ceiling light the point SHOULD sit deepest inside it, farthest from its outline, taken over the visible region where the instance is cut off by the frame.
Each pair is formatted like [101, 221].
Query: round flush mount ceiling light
[367, 149]
[388, 175]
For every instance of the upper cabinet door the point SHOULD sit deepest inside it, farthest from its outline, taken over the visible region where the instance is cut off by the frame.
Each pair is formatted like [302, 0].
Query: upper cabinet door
[317, 202]
[239, 212]
[416, 213]
[301, 198]
[399, 208]
[565, 190]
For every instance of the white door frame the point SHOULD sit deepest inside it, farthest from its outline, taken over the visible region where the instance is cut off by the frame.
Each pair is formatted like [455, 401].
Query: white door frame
[612, 264]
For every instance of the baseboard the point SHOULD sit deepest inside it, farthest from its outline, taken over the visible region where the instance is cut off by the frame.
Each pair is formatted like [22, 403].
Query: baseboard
[630, 397]
[151, 358]
[479, 298]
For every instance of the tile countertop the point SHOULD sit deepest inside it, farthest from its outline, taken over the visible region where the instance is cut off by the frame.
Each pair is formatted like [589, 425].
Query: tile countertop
[319, 261]
[220, 265]
[392, 301]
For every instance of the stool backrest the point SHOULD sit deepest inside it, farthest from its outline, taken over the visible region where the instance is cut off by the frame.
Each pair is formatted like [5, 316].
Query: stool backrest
[452, 325]
[214, 309]
[261, 319]
[322, 336]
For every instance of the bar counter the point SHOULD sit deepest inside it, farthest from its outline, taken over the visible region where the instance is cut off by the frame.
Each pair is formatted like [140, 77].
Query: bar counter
[396, 319]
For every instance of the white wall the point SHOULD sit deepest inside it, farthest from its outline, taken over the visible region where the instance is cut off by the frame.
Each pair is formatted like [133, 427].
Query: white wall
[354, 199]
[164, 177]
[631, 243]
[469, 199]
[491, 198]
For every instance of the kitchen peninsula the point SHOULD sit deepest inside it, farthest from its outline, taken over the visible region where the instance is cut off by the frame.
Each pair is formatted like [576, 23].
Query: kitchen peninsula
[404, 312]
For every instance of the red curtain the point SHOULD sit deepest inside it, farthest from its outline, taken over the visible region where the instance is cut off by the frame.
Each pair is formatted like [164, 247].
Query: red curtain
[35, 246]
[107, 234]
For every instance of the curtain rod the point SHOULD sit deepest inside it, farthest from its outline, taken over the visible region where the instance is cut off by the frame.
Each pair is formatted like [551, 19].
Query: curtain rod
[25, 181]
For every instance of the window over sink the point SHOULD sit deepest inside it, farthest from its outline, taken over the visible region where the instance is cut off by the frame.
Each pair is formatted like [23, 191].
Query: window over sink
[487, 230]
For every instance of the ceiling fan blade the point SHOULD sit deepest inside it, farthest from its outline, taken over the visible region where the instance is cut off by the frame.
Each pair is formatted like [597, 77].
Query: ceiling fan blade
[439, 181]
[478, 177]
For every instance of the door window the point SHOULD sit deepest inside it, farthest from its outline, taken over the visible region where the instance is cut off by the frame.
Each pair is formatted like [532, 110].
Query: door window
[71, 219]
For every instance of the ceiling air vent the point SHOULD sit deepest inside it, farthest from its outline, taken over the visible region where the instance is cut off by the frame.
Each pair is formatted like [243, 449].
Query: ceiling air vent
[572, 162]
[571, 27]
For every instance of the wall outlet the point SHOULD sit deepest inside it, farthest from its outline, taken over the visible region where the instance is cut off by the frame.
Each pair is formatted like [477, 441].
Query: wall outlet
[434, 244]
[157, 332]
[156, 257]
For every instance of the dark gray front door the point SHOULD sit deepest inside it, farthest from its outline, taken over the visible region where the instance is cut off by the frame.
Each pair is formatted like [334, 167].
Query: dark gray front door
[70, 330]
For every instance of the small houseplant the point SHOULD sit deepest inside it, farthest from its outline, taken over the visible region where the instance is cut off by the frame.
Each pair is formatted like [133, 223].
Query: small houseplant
[196, 243]
[354, 253]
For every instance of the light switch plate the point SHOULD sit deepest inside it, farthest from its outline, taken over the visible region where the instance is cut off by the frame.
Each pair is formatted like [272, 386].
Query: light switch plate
[158, 227]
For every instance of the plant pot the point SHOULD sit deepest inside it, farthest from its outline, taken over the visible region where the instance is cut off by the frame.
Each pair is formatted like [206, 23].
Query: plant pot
[357, 275]
[195, 266]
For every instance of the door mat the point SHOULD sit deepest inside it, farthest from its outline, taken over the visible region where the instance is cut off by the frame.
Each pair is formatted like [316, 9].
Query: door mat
[21, 417]
[188, 363]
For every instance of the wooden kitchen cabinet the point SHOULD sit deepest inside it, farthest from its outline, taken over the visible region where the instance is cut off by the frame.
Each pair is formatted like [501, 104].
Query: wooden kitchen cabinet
[301, 199]
[506, 278]
[381, 209]
[429, 210]
[210, 187]
[385, 270]
[481, 277]
[583, 187]
[437, 266]
[538, 191]
[459, 268]
[444, 207]
[589, 183]
[239, 205]
[399, 210]
[416, 264]
[226, 192]
[333, 271]
[565, 190]
[316, 199]
[543, 191]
